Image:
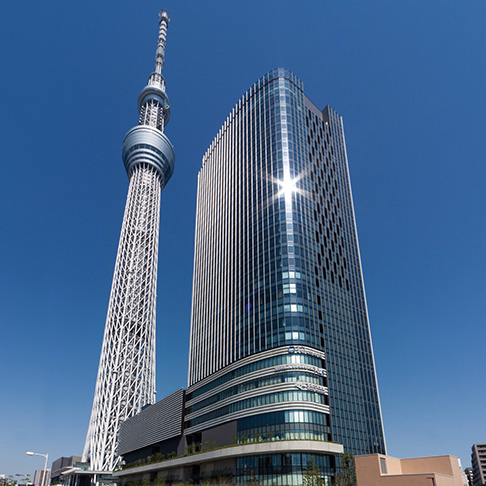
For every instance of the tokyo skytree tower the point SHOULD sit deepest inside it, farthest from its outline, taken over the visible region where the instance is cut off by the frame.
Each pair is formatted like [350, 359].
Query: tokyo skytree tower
[126, 373]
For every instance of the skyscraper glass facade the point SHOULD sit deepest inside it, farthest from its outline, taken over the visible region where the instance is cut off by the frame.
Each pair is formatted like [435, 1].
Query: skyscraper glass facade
[280, 340]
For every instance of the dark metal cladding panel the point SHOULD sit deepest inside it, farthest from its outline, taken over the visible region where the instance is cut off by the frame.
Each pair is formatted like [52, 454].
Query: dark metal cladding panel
[156, 423]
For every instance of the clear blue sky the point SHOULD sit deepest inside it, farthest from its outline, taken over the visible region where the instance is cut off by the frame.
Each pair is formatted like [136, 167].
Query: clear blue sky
[408, 77]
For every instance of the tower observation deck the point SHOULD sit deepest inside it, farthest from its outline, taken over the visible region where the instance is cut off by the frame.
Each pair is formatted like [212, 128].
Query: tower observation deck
[126, 373]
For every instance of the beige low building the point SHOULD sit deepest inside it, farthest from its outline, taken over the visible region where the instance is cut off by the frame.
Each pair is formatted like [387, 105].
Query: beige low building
[379, 470]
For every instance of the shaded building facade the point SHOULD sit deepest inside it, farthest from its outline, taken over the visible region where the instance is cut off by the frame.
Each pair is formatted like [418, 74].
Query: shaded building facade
[61, 465]
[478, 462]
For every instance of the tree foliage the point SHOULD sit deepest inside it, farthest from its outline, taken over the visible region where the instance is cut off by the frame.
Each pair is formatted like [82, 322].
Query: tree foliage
[11, 480]
[312, 475]
[347, 472]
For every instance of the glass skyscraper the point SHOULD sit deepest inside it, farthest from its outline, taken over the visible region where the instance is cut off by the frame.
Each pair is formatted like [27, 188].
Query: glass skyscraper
[280, 339]
[281, 369]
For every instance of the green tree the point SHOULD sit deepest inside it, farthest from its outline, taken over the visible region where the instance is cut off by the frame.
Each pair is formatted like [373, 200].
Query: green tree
[347, 472]
[312, 475]
[9, 480]
[254, 481]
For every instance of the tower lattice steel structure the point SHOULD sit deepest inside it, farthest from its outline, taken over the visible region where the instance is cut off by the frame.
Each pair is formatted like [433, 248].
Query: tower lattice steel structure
[126, 373]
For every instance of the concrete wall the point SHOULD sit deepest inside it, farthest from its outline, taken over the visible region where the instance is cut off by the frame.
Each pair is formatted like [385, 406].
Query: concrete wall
[422, 471]
[438, 464]
[222, 434]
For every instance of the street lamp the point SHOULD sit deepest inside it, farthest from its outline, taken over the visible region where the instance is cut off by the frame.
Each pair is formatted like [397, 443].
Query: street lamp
[44, 478]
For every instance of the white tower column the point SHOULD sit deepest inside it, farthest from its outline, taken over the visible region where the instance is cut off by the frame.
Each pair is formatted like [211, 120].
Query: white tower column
[126, 373]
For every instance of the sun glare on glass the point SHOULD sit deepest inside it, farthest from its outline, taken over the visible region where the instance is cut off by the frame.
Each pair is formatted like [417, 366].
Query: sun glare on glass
[287, 187]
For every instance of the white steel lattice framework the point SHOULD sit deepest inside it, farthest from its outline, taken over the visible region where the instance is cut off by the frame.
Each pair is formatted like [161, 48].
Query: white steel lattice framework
[126, 373]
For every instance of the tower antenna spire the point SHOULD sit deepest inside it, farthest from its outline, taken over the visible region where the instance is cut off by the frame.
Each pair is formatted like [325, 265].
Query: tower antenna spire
[153, 102]
[164, 19]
